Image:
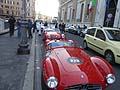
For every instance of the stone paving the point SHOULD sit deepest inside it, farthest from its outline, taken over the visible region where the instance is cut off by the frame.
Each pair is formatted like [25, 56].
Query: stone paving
[12, 66]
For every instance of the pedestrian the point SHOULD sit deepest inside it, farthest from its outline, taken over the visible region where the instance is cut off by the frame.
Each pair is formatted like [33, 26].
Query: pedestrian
[29, 29]
[11, 22]
[84, 27]
[38, 26]
[63, 28]
[34, 26]
[18, 28]
[60, 27]
[56, 25]
[45, 24]
[39, 29]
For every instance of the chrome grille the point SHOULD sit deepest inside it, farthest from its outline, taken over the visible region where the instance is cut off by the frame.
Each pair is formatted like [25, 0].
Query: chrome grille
[84, 87]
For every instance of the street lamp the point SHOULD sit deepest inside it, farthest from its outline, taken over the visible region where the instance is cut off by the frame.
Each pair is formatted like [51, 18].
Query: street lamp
[23, 45]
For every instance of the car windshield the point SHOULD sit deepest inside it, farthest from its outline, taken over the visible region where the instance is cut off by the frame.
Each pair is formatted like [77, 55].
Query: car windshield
[52, 37]
[58, 44]
[49, 31]
[113, 35]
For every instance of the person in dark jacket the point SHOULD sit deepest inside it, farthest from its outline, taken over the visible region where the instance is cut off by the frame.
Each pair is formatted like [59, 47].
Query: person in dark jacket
[63, 28]
[60, 27]
[11, 22]
[29, 28]
[56, 25]
[18, 28]
[34, 26]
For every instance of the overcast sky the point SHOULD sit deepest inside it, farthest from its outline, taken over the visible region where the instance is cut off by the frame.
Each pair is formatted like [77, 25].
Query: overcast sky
[47, 7]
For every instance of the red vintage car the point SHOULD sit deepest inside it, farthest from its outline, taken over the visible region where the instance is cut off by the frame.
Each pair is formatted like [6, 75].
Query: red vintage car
[52, 35]
[70, 68]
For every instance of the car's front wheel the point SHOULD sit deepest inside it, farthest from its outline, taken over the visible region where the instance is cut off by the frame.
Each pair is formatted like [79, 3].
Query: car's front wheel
[85, 45]
[44, 86]
[109, 56]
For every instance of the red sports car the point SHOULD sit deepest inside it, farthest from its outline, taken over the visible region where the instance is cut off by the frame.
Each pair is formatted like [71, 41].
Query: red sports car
[52, 35]
[70, 68]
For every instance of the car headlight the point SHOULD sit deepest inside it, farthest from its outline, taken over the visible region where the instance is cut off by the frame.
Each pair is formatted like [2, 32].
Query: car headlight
[110, 78]
[52, 82]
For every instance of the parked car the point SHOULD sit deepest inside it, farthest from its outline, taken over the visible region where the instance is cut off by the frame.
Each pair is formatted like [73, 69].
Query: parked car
[83, 32]
[72, 29]
[105, 41]
[52, 35]
[70, 68]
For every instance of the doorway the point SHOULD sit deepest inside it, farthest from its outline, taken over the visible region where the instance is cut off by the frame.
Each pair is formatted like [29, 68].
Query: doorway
[111, 6]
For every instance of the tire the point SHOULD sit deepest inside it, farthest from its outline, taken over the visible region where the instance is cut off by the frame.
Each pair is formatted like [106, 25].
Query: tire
[85, 46]
[43, 85]
[109, 56]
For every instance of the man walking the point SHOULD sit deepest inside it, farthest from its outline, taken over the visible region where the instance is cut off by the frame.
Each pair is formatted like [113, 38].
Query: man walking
[11, 22]
[63, 28]
[29, 29]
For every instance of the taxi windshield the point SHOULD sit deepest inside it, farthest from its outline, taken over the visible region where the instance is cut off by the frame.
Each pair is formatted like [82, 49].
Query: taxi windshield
[113, 35]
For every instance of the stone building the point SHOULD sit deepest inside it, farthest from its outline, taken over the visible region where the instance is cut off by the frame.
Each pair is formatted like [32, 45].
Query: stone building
[10, 7]
[77, 12]
[14, 7]
[108, 13]
[30, 9]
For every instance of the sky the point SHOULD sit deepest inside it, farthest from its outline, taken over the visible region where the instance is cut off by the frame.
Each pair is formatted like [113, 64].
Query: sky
[47, 7]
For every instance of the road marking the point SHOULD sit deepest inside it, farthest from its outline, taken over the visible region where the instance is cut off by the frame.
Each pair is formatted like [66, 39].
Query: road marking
[37, 60]
[41, 45]
[37, 67]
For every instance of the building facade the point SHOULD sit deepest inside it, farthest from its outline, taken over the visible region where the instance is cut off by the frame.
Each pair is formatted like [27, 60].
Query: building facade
[30, 9]
[108, 13]
[90, 12]
[77, 12]
[10, 7]
[14, 7]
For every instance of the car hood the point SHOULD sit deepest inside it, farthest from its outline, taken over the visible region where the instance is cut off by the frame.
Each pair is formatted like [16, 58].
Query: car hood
[85, 72]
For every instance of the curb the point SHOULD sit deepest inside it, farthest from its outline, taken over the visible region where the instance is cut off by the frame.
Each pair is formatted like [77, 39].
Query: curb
[4, 32]
[29, 76]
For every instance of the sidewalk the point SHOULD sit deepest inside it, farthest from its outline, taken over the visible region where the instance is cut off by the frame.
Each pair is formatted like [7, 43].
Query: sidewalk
[13, 67]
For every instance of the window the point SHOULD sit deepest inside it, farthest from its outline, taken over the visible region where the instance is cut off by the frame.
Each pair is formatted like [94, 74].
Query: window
[7, 12]
[91, 31]
[81, 14]
[100, 34]
[6, 6]
[17, 3]
[1, 1]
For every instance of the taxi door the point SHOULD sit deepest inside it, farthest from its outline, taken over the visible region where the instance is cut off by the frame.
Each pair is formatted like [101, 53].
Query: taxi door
[100, 42]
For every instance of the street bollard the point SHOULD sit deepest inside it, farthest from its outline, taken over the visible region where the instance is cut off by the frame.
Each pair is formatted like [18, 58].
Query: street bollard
[23, 45]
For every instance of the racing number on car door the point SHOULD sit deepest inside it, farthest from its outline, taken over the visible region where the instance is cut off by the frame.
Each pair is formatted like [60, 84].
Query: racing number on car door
[100, 41]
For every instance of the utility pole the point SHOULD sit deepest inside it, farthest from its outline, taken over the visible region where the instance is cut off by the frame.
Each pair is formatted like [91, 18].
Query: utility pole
[23, 45]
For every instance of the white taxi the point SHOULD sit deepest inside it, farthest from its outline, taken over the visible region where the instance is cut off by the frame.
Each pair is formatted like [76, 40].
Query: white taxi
[105, 41]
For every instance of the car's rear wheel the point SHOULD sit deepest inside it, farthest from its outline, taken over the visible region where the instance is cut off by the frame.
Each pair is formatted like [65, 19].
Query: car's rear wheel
[109, 56]
[85, 46]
